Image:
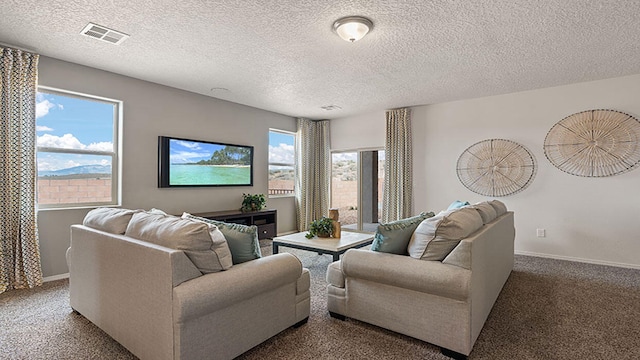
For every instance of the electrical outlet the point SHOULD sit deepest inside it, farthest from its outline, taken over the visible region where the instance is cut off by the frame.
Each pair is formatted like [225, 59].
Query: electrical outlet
[540, 232]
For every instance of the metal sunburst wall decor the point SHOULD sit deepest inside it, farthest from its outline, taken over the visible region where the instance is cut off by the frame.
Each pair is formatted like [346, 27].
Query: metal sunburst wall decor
[594, 143]
[496, 167]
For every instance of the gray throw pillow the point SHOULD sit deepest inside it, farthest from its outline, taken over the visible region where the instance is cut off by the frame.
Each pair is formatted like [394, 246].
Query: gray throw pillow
[499, 207]
[394, 236]
[242, 239]
[203, 244]
[486, 211]
[434, 238]
[111, 220]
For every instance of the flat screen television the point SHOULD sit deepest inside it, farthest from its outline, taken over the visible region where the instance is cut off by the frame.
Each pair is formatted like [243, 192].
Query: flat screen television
[188, 162]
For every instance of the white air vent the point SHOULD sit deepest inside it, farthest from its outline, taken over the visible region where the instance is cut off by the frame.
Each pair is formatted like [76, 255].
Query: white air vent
[105, 34]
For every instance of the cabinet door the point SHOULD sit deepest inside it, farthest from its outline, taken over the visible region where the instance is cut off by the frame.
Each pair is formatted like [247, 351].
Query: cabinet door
[267, 231]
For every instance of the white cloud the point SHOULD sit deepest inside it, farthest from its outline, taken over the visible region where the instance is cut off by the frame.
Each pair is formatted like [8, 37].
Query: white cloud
[282, 153]
[43, 128]
[101, 146]
[43, 106]
[70, 164]
[51, 163]
[351, 156]
[188, 144]
[187, 156]
[68, 141]
[45, 166]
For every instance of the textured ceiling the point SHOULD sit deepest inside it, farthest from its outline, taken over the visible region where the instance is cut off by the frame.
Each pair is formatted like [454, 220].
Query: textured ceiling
[282, 55]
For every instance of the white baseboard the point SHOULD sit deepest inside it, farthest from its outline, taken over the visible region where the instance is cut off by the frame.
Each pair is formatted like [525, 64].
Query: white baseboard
[570, 258]
[55, 277]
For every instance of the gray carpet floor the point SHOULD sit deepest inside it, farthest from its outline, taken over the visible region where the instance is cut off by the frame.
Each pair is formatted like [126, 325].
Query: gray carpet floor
[548, 309]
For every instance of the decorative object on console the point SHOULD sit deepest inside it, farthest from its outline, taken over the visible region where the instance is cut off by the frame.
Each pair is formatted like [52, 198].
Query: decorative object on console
[322, 228]
[253, 202]
[594, 143]
[496, 167]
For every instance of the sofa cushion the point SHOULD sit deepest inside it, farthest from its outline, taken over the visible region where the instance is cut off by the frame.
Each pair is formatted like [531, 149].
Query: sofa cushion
[111, 220]
[435, 237]
[394, 236]
[486, 210]
[157, 211]
[499, 206]
[203, 244]
[242, 239]
[457, 204]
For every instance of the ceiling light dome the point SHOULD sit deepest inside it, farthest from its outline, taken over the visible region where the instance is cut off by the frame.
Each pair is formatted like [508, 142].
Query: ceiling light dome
[352, 28]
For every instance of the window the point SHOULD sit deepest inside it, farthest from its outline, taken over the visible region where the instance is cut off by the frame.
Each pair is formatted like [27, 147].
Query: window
[281, 163]
[77, 149]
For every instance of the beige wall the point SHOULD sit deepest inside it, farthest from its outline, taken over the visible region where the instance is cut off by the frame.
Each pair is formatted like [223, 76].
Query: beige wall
[151, 110]
[586, 219]
[589, 219]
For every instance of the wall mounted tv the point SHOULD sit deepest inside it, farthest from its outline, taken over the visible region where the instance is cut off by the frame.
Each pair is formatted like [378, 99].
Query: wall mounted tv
[187, 162]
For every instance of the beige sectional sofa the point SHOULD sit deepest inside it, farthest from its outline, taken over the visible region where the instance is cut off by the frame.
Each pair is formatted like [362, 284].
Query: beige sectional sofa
[165, 287]
[441, 289]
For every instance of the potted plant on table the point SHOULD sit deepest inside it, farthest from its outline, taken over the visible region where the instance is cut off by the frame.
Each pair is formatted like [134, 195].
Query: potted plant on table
[252, 202]
[322, 228]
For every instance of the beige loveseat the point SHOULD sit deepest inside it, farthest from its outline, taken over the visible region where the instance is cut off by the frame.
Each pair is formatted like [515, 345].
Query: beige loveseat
[444, 302]
[156, 301]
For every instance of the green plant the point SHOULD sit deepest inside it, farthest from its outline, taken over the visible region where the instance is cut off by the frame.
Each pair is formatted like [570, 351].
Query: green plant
[322, 228]
[253, 202]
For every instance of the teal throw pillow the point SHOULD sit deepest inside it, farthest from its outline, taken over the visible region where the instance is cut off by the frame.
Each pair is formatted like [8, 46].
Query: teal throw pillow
[458, 204]
[394, 237]
[242, 239]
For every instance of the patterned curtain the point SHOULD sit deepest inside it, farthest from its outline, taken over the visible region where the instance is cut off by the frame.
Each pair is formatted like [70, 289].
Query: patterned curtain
[19, 249]
[398, 173]
[313, 171]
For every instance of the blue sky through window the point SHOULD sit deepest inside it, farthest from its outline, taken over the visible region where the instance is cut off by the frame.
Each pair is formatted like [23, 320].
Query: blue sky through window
[281, 148]
[73, 123]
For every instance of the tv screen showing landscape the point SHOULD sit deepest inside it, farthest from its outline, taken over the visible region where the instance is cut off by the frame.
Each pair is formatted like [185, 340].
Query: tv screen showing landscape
[186, 162]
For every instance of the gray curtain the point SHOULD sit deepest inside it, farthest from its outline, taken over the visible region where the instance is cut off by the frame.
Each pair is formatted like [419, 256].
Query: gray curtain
[398, 170]
[19, 250]
[313, 171]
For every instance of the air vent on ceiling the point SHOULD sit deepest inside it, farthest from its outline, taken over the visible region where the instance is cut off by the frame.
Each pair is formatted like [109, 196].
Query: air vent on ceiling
[105, 34]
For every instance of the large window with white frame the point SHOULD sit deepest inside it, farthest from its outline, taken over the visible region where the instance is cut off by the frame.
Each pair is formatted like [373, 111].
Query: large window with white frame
[282, 155]
[78, 149]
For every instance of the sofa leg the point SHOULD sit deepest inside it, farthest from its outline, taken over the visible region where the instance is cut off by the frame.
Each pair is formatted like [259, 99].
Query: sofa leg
[301, 322]
[452, 354]
[337, 316]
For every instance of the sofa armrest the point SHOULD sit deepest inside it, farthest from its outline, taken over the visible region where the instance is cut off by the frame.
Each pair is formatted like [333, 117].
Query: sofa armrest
[334, 275]
[215, 291]
[432, 277]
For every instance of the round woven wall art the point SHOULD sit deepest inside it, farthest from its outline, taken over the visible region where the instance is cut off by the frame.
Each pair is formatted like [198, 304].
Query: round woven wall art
[594, 143]
[496, 167]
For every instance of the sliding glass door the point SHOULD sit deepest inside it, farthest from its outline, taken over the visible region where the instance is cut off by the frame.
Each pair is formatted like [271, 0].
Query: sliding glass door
[357, 180]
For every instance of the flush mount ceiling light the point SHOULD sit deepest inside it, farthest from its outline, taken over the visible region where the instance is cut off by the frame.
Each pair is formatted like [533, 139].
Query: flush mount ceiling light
[352, 28]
